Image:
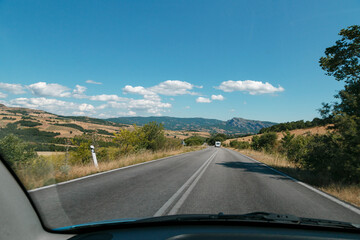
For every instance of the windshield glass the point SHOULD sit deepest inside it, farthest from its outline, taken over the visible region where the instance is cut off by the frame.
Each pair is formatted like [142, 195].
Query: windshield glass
[124, 110]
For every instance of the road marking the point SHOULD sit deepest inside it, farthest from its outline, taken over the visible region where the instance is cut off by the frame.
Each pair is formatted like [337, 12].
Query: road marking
[109, 171]
[189, 183]
[334, 199]
[181, 201]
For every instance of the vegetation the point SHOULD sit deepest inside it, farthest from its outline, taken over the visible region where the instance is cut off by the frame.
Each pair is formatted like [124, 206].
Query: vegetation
[216, 137]
[128, 147]
[28, 134]
[232, 126]
[15, 151]
[296, 125]
[336, 155]
[28, 123]
[194, 141]
[71, 125]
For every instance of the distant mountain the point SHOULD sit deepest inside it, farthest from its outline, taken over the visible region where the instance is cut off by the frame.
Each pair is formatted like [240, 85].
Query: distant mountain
[232, 126]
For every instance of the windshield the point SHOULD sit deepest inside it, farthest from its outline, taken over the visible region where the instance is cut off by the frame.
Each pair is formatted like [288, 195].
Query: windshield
[125, 110]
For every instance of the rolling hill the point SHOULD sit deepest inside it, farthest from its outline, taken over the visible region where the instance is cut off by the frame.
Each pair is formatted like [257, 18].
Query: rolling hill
[232, 126]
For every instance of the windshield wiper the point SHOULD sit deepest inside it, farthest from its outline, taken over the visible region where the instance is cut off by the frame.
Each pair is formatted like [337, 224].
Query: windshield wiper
[250, 217]
[253, 217]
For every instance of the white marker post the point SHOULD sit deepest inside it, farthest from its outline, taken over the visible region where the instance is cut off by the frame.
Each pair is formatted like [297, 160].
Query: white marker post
[94, 155]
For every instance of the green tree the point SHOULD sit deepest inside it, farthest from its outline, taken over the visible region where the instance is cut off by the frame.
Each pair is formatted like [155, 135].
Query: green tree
[82, 154]
[130, 140]
[286, 140]
[14, 150]
[342, 62]
[216, 137]
[154, 135]
[194, 141]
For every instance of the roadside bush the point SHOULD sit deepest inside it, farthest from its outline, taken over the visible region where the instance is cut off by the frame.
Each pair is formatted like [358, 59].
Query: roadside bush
[296, 148]
[194, 141]
[239, 144]
[105, 154]
[172, 143]
[15, 151]
[266, 141]
[82, 154]
[154, 135]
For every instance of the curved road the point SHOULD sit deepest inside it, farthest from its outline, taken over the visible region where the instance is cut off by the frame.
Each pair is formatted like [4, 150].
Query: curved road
[212, 180]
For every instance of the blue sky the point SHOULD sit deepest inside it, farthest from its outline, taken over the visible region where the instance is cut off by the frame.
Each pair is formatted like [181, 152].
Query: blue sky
[213, 59]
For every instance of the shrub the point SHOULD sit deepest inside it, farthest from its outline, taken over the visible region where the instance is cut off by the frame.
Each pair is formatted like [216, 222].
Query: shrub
[14, 150]
[194, 141]
[240, 144]
[266, 141]
[28, 123]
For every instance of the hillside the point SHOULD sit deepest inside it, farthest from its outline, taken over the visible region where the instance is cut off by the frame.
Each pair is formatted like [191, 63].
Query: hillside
[51, 132]
[304, 131]
[23, 118]
[232, 126]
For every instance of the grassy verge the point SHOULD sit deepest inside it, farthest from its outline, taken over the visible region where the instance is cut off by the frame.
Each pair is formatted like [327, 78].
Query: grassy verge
[55, 170]
[345, 192]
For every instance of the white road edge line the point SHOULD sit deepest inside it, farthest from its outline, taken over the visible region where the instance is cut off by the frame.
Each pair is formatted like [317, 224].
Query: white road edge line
[171, 200]
[181, 201]
[345, 205]
[109, 171]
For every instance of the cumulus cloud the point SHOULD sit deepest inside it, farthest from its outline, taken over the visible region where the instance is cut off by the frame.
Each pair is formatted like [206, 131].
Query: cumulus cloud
[92, 82]
[79, 92]
[12, 88]
[217, 97]
[203, 100]
[86, 107]
[51, 105]
[44, 89]
[147, 105]
[173, 88]
[250, 86]
[148, 94]
[3, 95]
[107, 97]
[131, 113]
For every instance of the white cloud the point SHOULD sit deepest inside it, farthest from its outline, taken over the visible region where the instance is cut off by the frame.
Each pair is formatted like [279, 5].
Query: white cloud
[147, 105]
[131, 113]
[79, 91]
[12, 88]
[51, 105]
[148, 94]
[172, 88]
[203, 100]
[3, 95]
[253, 87]
[92, 82]
[86, 107]
[49, 90]
[106, 97]
[217, 97]
[187, 107]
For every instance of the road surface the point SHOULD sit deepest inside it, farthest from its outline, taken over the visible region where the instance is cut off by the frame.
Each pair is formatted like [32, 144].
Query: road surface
[212, 180]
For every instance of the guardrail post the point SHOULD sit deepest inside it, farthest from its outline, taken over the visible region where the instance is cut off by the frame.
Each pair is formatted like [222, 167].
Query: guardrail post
[94, 155]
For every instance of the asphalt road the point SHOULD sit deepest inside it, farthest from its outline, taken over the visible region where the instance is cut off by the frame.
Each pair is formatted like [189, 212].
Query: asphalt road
[212, 180]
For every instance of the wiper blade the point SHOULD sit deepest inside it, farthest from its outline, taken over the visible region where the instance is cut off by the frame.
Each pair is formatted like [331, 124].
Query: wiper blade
[252, 217]
[256, 216]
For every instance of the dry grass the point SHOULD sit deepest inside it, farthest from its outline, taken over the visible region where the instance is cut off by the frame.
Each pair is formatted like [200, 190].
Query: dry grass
[53, 169]
[347, 193]
[305, 131]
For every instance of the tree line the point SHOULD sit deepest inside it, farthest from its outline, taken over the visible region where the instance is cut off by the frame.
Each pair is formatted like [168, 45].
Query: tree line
[337, 153]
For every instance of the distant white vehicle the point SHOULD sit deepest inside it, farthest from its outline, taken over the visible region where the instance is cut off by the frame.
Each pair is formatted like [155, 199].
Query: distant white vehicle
[217, 144]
